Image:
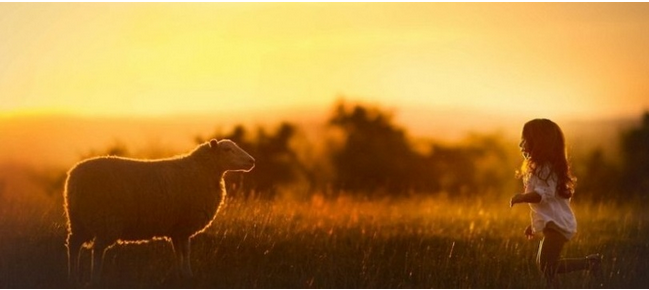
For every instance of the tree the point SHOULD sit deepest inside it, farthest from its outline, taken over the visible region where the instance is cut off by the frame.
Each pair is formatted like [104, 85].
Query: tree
[635, 160]
[375, 155]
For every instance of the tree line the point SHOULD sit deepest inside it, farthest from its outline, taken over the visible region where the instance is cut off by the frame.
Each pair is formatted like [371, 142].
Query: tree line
[367, 154]
[624, 179]
[364, 153]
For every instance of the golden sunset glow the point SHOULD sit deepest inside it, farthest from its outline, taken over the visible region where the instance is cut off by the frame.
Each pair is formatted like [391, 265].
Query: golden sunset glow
[558, 59]
[324, 145]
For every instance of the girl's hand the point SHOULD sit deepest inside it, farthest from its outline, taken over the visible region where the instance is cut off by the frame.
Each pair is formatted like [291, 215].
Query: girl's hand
[528, 233]
[517, 198]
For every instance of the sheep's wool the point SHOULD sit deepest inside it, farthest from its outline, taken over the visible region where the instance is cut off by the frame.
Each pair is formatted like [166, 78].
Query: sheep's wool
[111, 199]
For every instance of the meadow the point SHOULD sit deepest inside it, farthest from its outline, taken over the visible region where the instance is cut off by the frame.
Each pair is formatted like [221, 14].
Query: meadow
[332, 242]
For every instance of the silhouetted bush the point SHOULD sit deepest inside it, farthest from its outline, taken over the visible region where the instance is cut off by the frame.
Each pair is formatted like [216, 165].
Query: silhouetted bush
[479, 165]
[598, 178]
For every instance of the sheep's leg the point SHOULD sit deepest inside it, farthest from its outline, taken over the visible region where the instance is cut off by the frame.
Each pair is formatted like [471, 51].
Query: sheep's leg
[74, 248]
[178, 254]
[98, 251]
[186, 267]
[182, 250]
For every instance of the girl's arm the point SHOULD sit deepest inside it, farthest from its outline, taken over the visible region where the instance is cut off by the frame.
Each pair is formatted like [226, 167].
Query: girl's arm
[528, 197]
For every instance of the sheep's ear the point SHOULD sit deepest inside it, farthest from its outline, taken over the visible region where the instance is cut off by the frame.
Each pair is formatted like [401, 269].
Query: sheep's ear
[214, 144]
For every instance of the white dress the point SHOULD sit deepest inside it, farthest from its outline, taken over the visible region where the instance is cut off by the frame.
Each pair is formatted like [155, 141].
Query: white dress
[552, 207]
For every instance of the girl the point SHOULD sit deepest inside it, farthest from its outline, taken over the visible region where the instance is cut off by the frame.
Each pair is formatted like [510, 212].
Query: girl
[549, 186]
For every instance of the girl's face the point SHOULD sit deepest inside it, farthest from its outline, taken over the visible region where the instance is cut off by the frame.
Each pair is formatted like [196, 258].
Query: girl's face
[525, 149]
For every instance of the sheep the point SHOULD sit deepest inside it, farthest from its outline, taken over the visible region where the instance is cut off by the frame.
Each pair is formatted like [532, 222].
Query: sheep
[111, 200]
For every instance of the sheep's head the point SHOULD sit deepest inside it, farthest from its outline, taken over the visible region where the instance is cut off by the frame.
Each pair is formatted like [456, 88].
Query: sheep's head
[231, 157]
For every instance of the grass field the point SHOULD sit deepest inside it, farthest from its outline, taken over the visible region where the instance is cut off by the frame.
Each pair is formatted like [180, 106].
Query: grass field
[335, 243]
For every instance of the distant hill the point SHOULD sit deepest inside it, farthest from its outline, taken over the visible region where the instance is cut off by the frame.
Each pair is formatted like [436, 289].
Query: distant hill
[453, 125]
[62, 140]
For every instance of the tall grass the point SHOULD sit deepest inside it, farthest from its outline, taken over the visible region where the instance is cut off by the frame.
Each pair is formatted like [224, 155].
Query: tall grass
[341, 243]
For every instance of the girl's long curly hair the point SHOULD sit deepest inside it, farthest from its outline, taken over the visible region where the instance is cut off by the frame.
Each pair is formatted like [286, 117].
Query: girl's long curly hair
[546, 145]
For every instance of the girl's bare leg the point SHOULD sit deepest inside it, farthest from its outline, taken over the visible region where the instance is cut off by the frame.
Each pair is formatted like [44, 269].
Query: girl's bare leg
[550, 264]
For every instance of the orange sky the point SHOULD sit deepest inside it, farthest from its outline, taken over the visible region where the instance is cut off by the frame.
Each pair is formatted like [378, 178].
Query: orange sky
[579, 60]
